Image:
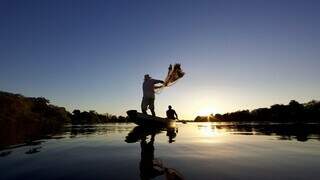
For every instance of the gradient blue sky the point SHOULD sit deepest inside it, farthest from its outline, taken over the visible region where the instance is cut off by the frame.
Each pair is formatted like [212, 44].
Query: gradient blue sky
[92, 55]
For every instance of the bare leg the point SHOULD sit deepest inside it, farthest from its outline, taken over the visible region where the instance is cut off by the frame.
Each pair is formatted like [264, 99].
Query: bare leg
[144, 112]
[151, 106]
[144, 106]
[152, 112]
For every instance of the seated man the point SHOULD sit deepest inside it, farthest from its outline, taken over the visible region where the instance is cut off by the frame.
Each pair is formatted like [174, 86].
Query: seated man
[171, 114]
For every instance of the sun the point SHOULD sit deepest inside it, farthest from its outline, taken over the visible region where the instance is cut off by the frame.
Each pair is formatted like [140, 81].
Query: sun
[206, 111]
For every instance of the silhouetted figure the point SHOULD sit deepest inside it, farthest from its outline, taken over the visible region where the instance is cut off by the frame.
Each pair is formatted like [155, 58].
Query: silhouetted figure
[171, 113]
[147, 168]
[171, 133]
[148, 94]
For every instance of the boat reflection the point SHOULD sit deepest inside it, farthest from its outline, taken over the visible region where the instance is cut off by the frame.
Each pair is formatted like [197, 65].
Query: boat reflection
[151, 167]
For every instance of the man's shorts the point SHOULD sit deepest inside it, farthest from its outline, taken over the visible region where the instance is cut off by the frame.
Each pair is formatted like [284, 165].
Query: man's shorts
[147, 102]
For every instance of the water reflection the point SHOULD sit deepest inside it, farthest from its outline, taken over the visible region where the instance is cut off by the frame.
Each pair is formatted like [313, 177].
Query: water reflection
[299, 132]
[29, 143]
[199, 150]
[89, 130]
[151, 167]
[5, 153]
[34, 150]
[34, 142]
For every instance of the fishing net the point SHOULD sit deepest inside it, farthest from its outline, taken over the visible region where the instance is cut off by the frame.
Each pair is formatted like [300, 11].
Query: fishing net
[174, 74]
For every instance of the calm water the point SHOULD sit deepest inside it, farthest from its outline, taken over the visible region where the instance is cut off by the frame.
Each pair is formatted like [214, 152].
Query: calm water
[192, 150]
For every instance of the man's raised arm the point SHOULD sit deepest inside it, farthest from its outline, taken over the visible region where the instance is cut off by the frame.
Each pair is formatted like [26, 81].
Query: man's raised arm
[155, 81]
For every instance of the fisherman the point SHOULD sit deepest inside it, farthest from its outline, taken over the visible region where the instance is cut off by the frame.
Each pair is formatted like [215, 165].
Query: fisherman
[171, 113]
[148, 94]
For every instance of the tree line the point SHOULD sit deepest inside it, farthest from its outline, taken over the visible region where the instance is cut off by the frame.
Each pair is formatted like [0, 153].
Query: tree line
[17, 109]
[292, 112]
[22, 117]
[78, 117]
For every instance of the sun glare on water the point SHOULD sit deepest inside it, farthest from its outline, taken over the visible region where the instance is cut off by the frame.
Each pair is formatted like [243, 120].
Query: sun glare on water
[209, 130]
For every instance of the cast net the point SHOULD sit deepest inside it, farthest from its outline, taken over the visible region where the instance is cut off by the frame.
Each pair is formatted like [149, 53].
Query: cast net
[174, 74]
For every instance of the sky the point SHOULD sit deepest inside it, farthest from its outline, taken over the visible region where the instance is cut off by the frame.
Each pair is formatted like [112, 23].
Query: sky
[92, 55]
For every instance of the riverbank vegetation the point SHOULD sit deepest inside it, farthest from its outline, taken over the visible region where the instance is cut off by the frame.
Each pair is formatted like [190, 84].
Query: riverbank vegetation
[28, 110]
[17, 109]
[292, 112]
[26, 117]
[92, 117]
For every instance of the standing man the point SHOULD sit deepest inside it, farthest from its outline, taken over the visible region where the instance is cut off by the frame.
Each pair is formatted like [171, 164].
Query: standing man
[171, 113]
[148, 94]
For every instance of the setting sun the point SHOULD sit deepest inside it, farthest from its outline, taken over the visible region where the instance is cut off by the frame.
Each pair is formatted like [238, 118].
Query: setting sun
[206, 111]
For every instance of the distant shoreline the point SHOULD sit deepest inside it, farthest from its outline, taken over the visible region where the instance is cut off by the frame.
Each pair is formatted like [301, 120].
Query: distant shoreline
[20, 109]
[292, 112]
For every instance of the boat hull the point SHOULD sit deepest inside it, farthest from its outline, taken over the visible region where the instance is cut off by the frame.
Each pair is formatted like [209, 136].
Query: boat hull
[147, 120]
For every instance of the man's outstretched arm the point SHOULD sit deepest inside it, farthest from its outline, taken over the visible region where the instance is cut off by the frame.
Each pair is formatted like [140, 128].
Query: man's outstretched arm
[156, 81]
[158, 87]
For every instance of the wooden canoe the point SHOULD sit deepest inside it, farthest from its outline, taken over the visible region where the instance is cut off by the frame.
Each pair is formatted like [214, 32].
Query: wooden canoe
[148, 120]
